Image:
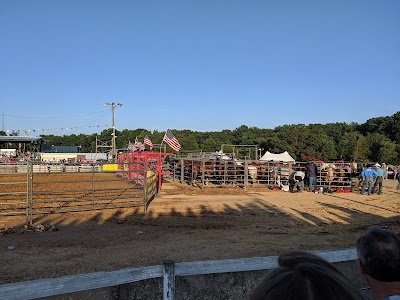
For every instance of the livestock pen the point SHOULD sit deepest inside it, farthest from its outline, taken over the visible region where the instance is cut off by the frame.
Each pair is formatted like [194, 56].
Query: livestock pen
[31, 189]
[205, 172]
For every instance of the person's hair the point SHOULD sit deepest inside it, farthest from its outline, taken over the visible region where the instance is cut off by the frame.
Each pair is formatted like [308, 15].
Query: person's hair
[378, 251]
[303, 275]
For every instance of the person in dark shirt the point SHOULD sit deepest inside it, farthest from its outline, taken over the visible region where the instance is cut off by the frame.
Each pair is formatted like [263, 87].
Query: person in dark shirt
[312, 175]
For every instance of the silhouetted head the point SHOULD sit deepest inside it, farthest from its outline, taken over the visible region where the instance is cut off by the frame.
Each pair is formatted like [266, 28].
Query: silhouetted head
[378, 252]
[304, 276]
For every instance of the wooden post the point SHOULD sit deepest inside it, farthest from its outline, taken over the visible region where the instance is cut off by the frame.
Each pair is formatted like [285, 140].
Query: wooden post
[168, 280]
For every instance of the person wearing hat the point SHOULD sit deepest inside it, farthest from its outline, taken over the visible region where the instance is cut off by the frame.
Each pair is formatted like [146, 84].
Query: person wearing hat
[379, 178]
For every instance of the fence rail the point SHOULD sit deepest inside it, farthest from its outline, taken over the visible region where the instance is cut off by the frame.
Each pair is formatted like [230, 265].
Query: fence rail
[168, 271]
[32, 191]
[252, 173]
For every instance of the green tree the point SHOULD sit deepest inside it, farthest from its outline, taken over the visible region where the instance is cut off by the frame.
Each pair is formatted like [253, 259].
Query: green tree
[210, 145]
[382, 149]
[388, 153]
[346, 146]
[394, 133]
[190, 143]
[378, 139]
[294, 138]
[362, 150]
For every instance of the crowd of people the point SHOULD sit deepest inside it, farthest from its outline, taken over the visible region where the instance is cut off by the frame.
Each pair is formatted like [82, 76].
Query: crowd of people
[302, 275]
[371, 178]
[16, 156]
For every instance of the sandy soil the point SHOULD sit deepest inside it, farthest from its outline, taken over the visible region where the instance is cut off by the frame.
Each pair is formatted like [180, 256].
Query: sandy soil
[187, 224]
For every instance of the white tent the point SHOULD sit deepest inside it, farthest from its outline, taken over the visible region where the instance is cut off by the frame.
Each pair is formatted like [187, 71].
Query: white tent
[284, 157]
[219, 154]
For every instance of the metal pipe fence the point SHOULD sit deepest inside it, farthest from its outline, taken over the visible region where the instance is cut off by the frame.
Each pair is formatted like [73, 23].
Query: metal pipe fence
[34, 190]
[253, 173]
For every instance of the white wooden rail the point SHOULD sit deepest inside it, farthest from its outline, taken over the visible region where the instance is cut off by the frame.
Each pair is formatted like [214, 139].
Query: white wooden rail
[168, 271]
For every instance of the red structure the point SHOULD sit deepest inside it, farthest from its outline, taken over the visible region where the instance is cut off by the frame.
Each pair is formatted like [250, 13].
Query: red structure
[134, 165]
[311, 158]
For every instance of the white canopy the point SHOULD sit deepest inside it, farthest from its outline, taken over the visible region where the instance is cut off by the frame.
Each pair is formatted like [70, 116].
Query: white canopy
[285, 157]
[219, 154]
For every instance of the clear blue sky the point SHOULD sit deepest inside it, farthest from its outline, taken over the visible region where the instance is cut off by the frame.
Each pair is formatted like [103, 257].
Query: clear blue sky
[201, 65]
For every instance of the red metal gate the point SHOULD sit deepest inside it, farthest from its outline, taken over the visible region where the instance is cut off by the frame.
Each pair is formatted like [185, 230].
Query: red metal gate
[132, 165]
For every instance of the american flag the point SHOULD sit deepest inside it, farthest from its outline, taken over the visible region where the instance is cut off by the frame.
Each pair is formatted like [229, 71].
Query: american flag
[148, 142]
[171, 140]
[131, 147]
[139, 145]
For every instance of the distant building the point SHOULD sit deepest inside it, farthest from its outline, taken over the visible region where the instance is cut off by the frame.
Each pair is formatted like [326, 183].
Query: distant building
[23, 143]
[59, 149]
[10, 145]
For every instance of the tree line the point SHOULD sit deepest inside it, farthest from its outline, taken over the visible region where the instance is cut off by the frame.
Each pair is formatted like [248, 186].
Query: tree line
[376, 140]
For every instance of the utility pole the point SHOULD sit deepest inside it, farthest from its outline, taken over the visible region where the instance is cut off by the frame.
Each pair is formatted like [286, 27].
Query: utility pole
[260, 150]
[113, 144]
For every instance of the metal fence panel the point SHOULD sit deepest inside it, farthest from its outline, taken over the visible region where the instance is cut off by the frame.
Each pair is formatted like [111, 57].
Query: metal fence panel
[33, 189]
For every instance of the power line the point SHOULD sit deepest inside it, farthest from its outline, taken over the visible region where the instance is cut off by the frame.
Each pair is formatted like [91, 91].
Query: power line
[57, 117]
[90, 122]
[77, 127]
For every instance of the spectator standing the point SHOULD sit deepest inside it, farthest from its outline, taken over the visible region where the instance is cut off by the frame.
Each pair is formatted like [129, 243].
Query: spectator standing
[312, 175]
[303, 276]
[378, 252]
[379, 178]
[385, 167]
[368, 175]
[397, 174]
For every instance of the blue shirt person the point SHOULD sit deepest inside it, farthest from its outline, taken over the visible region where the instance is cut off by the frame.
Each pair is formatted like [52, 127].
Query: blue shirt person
[368, 175]
[379, 179]
[379, 171]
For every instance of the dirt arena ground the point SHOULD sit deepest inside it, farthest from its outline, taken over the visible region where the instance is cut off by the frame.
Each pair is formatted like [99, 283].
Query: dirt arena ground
[187, 224]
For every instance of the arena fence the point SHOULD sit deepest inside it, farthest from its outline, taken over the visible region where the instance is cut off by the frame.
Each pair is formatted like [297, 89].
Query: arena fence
[333, 177]
[169, 272]
[27, 188]
[54, 188]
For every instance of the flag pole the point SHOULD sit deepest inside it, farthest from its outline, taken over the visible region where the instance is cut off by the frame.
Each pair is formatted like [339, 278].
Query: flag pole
[162, 141]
